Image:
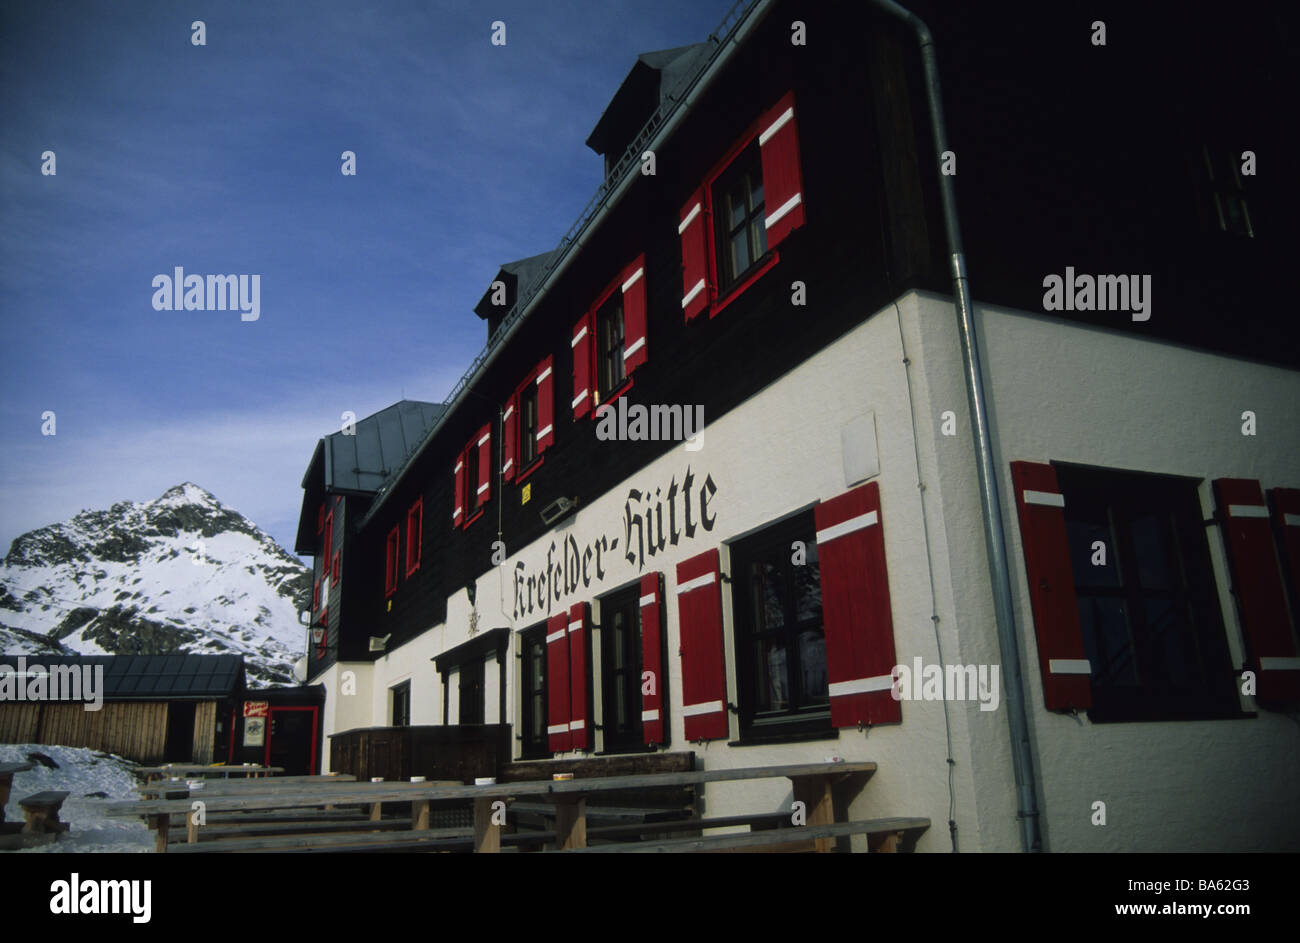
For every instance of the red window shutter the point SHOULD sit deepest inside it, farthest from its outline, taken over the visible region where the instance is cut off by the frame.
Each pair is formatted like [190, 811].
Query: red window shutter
[654, 723]
[511, 444]
[693, 230]
[329, 535]
[583, 333]
[315, 598]
[338, 554]
[579, 727]
[1286, 516]
[1257, 583]
[634, 315]
[320, 518]
[778, 140]
[545, 405]
[557, 682]
[483, 489]
[860, 656]
[704, 682]
[1061, 657]
[460, 512]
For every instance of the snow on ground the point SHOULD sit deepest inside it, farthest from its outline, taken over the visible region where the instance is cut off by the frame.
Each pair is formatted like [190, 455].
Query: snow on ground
[81, 772]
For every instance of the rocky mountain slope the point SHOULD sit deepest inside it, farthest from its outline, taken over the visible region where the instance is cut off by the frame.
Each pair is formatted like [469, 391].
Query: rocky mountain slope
[181, 573]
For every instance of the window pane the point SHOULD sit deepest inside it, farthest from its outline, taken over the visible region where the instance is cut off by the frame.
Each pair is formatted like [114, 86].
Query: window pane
[756, 192]
[1169, 656]
[1152, 546]
[739, 253]
[773, 688]
[736, 205]
[812, 658]
[1083, 535]
[758, 232]
[1106, 640]
[769, 597]
[808, 588]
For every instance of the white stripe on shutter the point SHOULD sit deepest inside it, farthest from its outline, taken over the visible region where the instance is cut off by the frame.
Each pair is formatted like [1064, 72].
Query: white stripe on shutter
[1280, 664]
[708, 707]
[847, 527]
[1069, 666]
[632, 278]
[862, 685]
[695, 211]
[787, 206]
[634, 348]
[696, 583]
[690, 295]
[1045, 498]
[1247, 510]
[579, 336]
[543, 433]
[776, 125]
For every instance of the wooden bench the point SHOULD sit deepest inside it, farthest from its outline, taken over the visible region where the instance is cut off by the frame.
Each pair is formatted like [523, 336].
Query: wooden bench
[202, 770]
[890, 832]
[41, 811]
[7, 771]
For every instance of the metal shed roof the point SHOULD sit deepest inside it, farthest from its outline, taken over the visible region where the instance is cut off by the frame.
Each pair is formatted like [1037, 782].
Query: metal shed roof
[151, 677]
[362, 462]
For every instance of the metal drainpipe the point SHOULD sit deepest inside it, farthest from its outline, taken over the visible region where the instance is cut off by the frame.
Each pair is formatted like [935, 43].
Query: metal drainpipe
[1022, 760]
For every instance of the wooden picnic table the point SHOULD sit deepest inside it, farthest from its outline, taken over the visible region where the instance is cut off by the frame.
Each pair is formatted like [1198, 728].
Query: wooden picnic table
[204, 770]
[242, 786]
[7, 771]
[813, 784]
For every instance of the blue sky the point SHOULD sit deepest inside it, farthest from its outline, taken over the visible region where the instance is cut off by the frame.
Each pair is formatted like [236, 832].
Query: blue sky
[225, 159]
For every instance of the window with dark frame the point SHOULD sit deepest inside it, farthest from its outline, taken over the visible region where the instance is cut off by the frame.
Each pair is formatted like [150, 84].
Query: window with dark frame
[620, 678]
[401, 698]
[1152, 627]
[739, 219]
[392, 550]
[533, 736]
[780, 637]
[609, 353]
[1227, 197]
[527, 425]
[414, 535]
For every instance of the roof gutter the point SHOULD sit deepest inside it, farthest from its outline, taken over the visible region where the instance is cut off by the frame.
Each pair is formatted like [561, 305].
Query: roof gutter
[1022, 760]
[569, 248]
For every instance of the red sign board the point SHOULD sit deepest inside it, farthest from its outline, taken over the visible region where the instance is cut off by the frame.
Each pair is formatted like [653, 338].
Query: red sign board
[256, 708]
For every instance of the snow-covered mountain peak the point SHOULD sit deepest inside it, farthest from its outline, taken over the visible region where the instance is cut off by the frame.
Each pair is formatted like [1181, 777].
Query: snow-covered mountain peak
[179, 573]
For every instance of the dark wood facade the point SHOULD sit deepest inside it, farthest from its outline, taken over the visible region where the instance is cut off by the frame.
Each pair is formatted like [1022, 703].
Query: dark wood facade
[1045, 136]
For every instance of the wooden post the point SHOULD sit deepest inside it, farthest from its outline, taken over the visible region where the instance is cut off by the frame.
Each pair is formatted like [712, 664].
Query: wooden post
[487, 837]
[419, 814]
[886, 842]
[570, 821]
[376, 811]
[815, 793]
[6, 780]
[191, 828]
[160, 824]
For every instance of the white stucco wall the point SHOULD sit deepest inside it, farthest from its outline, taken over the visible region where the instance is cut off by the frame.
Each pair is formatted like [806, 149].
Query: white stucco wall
[1057, 392]
[1061, 392]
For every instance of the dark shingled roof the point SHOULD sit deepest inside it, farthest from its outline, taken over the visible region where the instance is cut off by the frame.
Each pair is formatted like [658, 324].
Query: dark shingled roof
[621, 117]
[523, 271]
[363, 461]
[152, 677]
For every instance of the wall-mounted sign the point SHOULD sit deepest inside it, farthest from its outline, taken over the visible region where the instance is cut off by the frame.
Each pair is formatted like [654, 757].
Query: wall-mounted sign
[257, 708]
[254, 731]
[652, 521]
